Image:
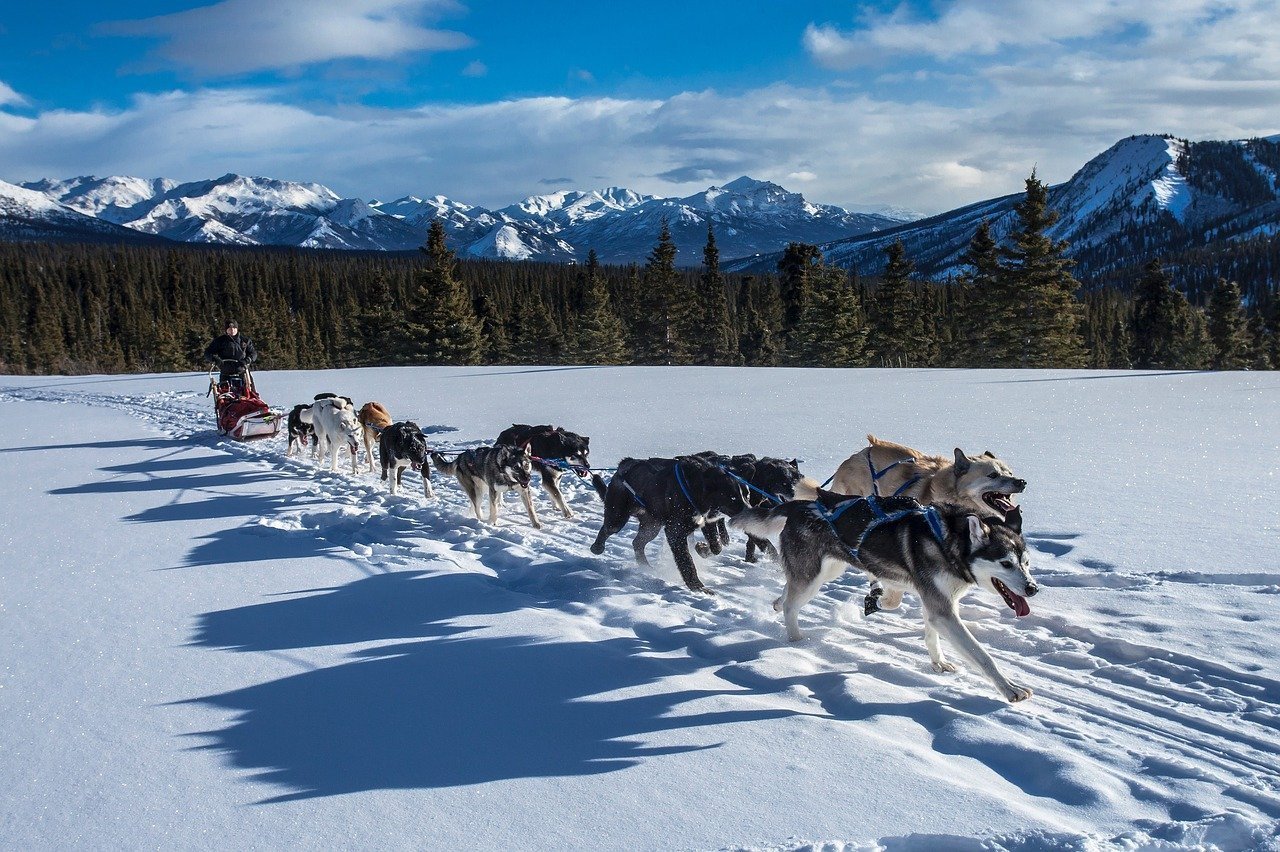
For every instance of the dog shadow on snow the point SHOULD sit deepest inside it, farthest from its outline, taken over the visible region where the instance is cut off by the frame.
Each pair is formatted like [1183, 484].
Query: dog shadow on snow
[446, 706]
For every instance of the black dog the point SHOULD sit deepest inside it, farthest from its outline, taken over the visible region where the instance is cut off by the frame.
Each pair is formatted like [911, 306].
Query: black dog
[299, 430]
[677, 495]
[771, 481]
[552, 443]
[403, 445]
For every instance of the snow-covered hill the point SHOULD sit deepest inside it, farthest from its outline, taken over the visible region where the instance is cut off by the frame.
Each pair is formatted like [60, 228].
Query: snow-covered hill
[208, 640]
[27, 214]
[1143, 197]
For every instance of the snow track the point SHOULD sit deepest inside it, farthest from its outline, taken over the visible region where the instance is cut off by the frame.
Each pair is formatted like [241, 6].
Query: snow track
[1118, 716]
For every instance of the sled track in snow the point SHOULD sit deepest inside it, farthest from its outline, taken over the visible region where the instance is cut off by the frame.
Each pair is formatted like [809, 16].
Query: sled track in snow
[1147, 715]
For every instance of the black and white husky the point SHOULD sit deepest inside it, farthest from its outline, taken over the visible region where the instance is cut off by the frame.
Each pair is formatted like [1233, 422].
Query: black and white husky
[402, 445]
[549, 445]
[938, 562]
[494, 469]
[300, 429]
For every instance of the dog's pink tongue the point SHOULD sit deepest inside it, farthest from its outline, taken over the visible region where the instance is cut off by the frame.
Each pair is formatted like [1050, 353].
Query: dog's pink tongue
[1020, 605]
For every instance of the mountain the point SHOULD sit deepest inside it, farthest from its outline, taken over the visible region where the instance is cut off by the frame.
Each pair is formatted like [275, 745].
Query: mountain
[26, 214]
[1146, 196]
[622, 225]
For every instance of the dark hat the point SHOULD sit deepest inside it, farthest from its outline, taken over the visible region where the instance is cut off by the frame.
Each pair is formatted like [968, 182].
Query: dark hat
[229, 323]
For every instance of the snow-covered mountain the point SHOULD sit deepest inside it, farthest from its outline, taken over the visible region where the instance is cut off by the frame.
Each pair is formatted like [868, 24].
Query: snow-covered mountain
[620, 224]
[1143, 197]
[27, 214]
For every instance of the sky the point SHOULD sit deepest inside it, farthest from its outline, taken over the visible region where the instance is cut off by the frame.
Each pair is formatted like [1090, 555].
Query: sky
[926, 106]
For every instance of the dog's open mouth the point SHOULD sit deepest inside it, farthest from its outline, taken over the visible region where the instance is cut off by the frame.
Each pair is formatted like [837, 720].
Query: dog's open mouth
[415, 465]
[1016, 602]
[1001, 502]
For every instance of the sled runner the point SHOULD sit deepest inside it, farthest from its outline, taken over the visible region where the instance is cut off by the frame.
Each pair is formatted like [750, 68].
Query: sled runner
[241, 413]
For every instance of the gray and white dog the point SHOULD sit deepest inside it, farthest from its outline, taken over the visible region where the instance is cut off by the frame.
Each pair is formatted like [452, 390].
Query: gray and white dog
[905, 553]
[497, 470]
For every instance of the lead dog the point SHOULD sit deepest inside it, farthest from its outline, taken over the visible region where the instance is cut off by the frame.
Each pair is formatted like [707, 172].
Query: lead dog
[334, 419]
[905, 553]
[497, 469]
[677, 495]
[403, 445]
[373, 418]
[548, 445]
[983, 484]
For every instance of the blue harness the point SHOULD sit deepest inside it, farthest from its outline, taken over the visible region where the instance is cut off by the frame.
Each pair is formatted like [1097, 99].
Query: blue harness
[877, 475]
[881, 518]
[772, 497]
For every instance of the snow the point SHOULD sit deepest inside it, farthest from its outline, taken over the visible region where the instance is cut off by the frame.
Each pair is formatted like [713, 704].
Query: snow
[1171, 190]
[208, 643]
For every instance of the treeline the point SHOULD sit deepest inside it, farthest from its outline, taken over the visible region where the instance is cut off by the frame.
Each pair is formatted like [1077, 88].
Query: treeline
[68, 308]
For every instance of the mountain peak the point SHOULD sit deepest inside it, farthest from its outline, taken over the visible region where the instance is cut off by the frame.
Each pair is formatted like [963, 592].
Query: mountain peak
[747, 184]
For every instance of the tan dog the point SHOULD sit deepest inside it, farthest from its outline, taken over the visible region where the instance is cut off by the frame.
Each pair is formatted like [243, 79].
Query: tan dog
[983, 484]
[373, 418]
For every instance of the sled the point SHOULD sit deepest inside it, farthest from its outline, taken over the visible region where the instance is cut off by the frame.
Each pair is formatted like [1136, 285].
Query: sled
[240, 412]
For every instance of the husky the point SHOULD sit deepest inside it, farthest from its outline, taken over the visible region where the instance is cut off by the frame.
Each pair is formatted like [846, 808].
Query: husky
[983, 484]
[402, 445]
[334, 420]
[498, 469]
[373, 418]
[677, 495]
[549, 445]
[299, 427]
[904, 551]
[768, 480]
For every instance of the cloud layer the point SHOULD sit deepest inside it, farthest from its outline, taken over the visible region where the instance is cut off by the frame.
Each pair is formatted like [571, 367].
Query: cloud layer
[240, 36]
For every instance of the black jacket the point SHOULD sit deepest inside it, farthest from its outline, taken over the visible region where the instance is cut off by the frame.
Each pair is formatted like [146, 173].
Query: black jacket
[238, 348]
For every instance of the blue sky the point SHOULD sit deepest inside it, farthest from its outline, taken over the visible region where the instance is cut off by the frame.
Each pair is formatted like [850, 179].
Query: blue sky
[923, 105]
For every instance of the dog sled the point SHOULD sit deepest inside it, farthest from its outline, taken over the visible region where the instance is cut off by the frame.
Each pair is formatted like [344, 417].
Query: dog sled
[240, 412]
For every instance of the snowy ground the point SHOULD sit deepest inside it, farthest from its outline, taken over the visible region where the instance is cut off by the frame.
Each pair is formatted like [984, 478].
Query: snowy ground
[207, 644]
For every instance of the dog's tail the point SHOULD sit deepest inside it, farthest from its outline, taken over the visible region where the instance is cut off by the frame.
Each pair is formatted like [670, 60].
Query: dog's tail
[764, 522]
[443, 465]
[806, 489]
[597, 481]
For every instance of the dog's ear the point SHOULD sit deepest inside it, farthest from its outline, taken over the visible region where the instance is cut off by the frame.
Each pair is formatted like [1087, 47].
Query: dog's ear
[989, 454]
[979, 535]
[1013, 519]
[962, 462]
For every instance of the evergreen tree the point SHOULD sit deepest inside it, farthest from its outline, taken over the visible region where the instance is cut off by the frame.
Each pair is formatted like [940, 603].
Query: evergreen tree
[1048, 331]
[441, 327]
[671, 310]
[1227, 326]
[757, 343]
[795, 273]
[493, 332]
[985, 314]
[601, 335]
[898, 334]
[716, 340]
[831, 331]
[540, 342]
[1259, 344]
[1157, 335]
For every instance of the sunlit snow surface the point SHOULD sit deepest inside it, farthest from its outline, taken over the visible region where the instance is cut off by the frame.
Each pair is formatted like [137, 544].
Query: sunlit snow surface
[206, 643]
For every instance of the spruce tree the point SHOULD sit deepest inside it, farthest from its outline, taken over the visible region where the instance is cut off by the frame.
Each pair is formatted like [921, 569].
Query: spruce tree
[897, 330]
[493, 332]
[671, 309]
[1226, 321]
[1048, 331]
[441, 327]
[985, 314]
[716, 341]
[832, 331]
[1156, 334]
[601, 335]
[795, 273]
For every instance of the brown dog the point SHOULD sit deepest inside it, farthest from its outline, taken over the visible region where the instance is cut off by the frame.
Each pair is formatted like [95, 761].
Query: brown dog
[373, 418]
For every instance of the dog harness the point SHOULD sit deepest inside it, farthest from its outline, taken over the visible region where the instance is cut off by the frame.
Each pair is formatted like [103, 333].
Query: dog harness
[773, 497]
[881, 517]
[877, 475]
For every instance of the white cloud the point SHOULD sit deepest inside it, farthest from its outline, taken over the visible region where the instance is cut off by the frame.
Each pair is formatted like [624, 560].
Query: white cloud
[476, 68]
[802, 177]
[8, 97]
[238, 36]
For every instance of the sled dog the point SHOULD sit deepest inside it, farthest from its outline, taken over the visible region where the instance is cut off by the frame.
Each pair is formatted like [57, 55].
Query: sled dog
[299, 429]
[983, 484]
[373, 418]
[551, 443]
[904, 553]
[677, 495]
[403, 445]
[766, 477]
[497, 469]
[334, 420]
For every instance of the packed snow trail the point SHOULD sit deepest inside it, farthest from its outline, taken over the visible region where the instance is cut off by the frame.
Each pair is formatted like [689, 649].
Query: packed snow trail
[1116, 718]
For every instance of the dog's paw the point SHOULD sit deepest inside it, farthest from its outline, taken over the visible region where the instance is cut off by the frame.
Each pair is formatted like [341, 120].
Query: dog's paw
[597, 548]
[703, 549]
[1017, 693]
[943, 667]
[871, 603]
[794, 637]
[777, 605]
[537, 525]
[568, 515]
[702, 590]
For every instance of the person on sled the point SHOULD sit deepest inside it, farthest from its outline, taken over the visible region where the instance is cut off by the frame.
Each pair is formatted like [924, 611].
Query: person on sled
[232, 353]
